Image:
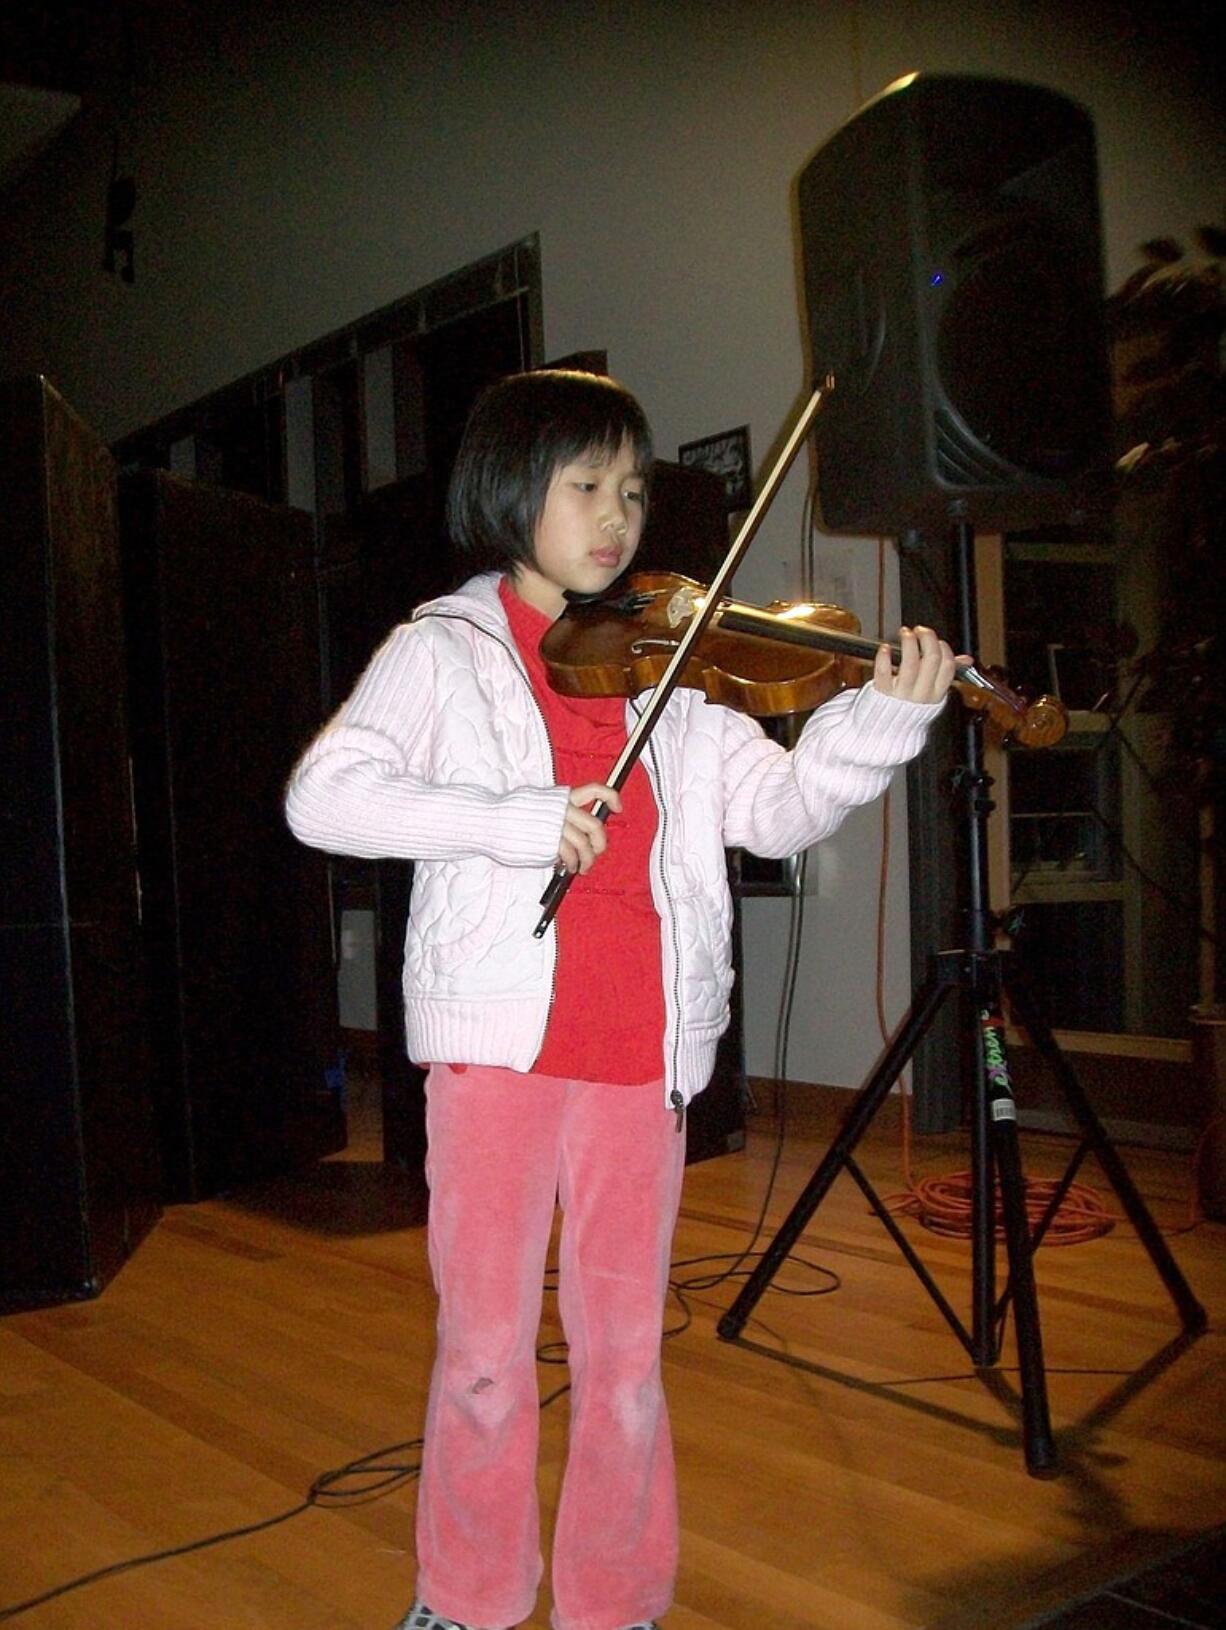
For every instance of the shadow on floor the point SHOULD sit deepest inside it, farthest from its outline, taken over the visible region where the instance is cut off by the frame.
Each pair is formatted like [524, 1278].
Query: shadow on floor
[339, 1198]
[1187, 1588]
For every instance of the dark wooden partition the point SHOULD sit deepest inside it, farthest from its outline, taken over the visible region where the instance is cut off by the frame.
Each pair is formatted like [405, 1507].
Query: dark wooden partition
[79, 1180]
[223, 636]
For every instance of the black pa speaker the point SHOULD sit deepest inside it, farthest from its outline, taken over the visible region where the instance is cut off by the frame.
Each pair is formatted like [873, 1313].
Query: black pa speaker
[79, 1168]
[953, 278]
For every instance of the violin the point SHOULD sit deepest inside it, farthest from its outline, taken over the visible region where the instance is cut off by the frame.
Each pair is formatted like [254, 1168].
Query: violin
[677, 635]
[765, 661]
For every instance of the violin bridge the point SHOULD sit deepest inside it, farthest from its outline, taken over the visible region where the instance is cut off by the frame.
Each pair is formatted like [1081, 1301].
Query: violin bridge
[682, 606]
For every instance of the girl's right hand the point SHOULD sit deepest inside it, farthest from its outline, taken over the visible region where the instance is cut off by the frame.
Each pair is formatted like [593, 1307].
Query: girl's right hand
[583, 834]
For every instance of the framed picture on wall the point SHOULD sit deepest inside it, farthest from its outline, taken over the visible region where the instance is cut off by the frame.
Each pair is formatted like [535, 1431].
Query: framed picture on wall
[727, 456]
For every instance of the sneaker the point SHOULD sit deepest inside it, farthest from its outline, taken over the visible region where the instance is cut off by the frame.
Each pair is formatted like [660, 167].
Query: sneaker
[421, 1617]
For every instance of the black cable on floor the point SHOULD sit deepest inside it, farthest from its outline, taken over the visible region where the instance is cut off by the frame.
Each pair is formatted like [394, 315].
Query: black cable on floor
[373, 1475]
[373, 1480]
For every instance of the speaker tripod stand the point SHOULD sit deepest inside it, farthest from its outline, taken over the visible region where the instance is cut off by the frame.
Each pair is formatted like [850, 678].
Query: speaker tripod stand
[984, 976]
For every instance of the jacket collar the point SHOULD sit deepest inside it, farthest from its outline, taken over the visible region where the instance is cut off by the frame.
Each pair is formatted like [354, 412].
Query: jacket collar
[475, 601]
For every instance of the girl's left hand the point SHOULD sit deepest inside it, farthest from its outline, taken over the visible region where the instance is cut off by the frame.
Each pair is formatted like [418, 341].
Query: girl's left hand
[925, 670]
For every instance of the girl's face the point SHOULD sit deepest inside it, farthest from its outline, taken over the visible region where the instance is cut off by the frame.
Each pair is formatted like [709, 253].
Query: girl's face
[588, 531]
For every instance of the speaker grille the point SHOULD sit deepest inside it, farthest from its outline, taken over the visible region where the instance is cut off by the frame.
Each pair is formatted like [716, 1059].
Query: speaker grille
[1017, 349]
[961, 461]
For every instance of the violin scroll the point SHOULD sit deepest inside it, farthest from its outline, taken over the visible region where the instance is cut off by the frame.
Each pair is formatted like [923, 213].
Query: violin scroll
[1039, 723]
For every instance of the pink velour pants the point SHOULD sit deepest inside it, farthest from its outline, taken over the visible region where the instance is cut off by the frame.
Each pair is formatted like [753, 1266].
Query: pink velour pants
[502, 1149]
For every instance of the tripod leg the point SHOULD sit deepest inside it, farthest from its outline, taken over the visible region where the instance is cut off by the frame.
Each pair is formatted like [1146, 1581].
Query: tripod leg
[1192, 1315]
[856, 1122]
[1037, 1440]
[985, 1341]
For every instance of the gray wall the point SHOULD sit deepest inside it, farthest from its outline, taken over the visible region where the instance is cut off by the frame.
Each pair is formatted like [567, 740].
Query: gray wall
[300, 166]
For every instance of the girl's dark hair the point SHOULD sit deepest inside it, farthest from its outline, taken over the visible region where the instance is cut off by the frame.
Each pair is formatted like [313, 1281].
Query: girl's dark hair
[521, 430]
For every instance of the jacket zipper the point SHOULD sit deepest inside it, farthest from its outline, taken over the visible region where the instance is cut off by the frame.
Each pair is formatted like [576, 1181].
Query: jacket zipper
[676, 1098]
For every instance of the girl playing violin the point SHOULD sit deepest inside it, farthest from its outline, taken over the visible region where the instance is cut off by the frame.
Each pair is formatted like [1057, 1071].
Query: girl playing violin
[559, 1067]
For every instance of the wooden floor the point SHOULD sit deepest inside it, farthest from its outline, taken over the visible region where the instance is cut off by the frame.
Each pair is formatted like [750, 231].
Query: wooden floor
[253, 1343]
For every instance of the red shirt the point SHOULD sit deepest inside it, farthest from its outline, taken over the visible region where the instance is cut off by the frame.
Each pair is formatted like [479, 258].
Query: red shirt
[607, 1018]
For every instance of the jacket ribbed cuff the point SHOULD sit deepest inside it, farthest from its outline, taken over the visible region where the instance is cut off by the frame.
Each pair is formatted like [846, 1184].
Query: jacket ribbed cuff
[879, 731]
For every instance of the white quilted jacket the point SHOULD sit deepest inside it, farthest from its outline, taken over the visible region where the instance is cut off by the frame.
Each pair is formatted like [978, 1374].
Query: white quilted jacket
[440, 756]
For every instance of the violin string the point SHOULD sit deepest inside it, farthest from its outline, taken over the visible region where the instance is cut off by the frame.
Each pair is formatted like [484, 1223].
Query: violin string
[808, 539]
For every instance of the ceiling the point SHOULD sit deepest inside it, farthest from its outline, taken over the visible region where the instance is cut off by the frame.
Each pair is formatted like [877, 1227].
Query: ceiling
[30, 119]
[56, 55]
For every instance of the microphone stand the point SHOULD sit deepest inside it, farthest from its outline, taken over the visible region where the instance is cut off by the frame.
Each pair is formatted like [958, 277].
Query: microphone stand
[985, 975]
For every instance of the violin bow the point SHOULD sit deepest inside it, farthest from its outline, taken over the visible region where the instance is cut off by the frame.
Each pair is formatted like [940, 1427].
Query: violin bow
[637, 739]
